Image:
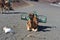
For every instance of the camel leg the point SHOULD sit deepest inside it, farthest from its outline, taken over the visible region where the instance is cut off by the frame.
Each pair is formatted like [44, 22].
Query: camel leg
[8, 10]
[28, 27]
[34, 29]
[1, 10]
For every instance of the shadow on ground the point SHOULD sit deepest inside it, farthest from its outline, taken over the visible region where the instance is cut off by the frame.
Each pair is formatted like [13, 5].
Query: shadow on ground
[44, 28]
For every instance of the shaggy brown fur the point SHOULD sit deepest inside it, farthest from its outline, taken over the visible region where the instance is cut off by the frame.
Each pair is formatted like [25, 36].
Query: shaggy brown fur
[32, 23]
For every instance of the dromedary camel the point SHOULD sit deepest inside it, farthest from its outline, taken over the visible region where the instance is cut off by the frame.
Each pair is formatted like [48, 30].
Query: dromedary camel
[4, 4]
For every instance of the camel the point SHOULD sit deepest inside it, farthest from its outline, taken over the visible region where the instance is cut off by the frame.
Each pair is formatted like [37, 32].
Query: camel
[4, 4]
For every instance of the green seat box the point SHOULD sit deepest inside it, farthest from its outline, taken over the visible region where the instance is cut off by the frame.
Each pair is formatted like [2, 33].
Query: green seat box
[24, 17]
[42, 18]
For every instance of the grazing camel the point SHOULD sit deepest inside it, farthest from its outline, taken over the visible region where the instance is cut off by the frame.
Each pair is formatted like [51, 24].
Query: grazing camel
[5, 4]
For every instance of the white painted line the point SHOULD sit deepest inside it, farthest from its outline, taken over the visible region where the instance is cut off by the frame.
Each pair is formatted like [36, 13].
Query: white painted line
[57, 5]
